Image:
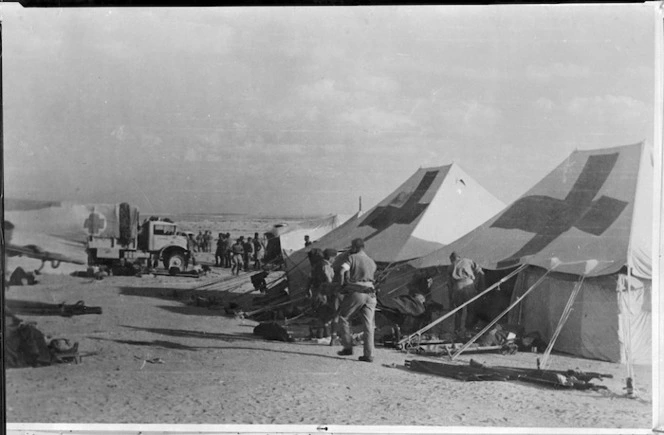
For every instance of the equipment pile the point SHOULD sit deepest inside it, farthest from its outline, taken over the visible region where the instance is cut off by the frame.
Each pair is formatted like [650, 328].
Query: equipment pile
[27, 346]
[475, 371]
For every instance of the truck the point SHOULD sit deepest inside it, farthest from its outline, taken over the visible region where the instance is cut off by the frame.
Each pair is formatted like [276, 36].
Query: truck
[115, 238]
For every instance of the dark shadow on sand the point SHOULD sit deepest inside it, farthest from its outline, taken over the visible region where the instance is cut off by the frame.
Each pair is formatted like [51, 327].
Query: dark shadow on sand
[205, 302]
[153, 343]
[197, 334]
[290, 352]
[217, 336]
[184, 295]
[215, 310]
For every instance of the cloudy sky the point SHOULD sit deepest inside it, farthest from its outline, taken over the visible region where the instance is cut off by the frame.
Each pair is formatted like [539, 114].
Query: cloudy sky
[301, 110]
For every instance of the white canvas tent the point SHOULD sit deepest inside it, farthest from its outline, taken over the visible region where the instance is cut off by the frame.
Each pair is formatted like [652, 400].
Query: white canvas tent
[594, 208]
[430, 209]
[291, 235]
[285, 238]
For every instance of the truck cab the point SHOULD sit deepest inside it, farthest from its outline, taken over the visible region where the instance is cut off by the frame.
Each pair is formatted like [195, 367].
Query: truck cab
[162, 238]
[155, 235]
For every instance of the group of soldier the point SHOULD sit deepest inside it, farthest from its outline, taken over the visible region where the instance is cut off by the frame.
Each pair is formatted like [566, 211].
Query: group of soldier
[340, 288]
[238, 256]
[338, 293]
[203, 241]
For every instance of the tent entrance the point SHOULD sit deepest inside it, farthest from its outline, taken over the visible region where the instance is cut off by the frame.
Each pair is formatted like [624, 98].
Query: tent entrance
[493, 303]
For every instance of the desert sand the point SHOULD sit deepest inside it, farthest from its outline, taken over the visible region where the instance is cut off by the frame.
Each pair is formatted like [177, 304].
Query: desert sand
[151, 357]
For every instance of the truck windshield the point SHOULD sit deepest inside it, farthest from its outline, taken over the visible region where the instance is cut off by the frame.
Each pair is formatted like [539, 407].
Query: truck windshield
[164, 230]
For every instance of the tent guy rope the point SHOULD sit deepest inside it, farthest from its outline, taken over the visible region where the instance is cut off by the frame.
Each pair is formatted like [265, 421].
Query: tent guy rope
[449, 314]
[554, 263]
[590, 266]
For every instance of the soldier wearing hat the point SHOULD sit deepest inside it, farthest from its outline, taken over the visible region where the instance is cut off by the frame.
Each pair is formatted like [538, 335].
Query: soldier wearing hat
[322, 289]
[357, 280]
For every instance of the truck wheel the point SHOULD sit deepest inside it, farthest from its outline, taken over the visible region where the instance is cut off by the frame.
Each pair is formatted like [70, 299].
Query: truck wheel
[174, 263]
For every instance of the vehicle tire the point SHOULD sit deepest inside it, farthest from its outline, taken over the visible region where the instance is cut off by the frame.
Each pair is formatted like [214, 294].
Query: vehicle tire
[174, 263]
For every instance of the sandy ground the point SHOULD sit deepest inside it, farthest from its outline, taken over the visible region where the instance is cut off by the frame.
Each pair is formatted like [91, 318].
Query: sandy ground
[215, 371]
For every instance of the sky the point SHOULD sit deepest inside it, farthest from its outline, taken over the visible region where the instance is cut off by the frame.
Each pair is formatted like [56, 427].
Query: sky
[300, 111]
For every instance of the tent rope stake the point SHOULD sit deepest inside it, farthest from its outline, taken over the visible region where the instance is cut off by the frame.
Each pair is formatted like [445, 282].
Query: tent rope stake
[590, 265]
[505, 311]
[419, 333]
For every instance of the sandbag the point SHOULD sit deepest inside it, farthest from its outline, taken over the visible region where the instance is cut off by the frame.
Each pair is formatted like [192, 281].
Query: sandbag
[272, 331]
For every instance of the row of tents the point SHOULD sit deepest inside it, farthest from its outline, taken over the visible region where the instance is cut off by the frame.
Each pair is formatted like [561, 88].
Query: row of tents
[587, 224]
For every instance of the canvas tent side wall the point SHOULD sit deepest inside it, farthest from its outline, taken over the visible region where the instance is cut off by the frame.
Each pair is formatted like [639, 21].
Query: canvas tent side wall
[287, 238]
[297, 262]
[598, 318]
[292, 239]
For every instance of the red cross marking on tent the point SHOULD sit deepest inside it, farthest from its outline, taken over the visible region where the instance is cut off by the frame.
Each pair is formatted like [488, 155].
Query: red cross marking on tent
[95, 223]
[384, 217]
[549, 217]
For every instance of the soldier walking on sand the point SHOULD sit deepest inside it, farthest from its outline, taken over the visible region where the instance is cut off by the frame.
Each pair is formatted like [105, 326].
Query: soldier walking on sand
[322, 290]
[357, 280]
[220, 251]
[228, 253]
[191, 248]
[248, 253]
[258, 252]
[237, 252]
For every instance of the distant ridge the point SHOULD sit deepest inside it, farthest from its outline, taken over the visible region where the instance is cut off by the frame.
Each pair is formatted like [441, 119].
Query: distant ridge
[249, 215]
[29, 204]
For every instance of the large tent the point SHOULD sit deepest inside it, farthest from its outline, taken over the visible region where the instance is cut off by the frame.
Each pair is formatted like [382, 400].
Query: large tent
[589, 221]
[289, 237]
[430, 209]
